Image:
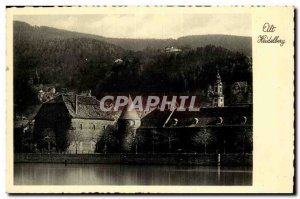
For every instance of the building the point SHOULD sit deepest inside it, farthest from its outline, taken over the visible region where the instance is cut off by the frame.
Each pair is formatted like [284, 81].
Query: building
[76, 121]
[229, 127]
[218, 97]
[172, 49]
[228, 124]
[46, 93]
[80, 126]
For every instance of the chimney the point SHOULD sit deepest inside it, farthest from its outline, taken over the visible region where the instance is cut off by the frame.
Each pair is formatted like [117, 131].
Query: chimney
[76, 104]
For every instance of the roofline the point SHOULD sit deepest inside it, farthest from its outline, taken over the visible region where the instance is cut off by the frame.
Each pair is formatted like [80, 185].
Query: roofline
[89, 118]
[203, 126]
[220, 125]
[64, 94]
[236, 106]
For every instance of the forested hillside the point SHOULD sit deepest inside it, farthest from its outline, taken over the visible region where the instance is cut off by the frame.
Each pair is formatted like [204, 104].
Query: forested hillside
[231, 42]
[81, 61]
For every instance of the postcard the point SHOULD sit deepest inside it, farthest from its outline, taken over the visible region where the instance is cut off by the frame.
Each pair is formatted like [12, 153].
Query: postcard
[150, 100]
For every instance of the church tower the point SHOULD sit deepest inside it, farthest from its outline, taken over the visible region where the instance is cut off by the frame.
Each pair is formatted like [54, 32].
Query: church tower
[218, 97]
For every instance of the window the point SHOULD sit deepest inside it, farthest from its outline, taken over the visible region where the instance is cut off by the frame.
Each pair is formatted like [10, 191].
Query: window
[131, 123]
[94, 126]
[219, 120]
[92, 146]
[244, 120]
[81, 126]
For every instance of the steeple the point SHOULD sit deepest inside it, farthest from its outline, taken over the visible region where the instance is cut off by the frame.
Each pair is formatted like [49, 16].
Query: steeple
[218, 97]
[218, 76]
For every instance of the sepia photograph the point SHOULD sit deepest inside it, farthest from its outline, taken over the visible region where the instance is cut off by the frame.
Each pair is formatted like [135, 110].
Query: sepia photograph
[133, 99]
[138, 97]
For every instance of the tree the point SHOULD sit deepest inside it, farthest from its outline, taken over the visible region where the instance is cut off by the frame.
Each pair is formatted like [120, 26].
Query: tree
[204, 137]
[48, 136]
[138, 140]
[246, 138]
[155, 137]
[128, 140]
[169, 137]
[107, 140]
[108, 137]
[76, 138]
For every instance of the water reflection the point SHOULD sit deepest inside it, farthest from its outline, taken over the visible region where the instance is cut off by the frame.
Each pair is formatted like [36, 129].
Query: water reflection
[103, 174]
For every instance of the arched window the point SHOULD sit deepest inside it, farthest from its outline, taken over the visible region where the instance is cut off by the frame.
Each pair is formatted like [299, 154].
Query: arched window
[216, 89]
[175, 121]
[244, 120]
[219, 120]
[196, 120]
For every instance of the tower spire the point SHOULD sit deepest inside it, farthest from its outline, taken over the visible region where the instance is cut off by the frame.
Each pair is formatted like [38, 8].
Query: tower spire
[218, 75]
[218, 99]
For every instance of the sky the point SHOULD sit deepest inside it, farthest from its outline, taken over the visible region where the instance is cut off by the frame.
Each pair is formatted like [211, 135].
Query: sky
[159, 26]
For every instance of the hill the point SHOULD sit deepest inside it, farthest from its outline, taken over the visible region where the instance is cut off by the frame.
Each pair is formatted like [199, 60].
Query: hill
[230, 42]
[80, 61]
[60, 57]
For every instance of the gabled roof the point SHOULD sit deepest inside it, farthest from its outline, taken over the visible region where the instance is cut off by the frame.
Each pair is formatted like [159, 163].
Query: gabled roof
[88, 107]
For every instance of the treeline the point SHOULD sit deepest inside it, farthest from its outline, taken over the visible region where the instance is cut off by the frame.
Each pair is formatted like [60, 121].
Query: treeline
[188, 140]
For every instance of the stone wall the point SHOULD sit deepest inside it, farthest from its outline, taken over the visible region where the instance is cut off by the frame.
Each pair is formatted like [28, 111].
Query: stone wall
[84, 134]
[175, 159]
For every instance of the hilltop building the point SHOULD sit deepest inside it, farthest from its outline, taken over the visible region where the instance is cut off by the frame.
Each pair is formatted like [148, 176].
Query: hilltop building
[172, 49]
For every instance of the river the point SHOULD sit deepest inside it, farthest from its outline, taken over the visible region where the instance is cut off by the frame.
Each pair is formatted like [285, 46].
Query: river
[105, 174]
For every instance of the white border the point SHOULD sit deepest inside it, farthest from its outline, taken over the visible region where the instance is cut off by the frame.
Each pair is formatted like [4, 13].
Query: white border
[4, 3]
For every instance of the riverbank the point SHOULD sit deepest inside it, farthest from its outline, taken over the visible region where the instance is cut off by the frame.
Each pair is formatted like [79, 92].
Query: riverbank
[145, 159]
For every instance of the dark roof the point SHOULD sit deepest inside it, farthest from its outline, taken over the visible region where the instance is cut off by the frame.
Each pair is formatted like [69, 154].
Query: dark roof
[208, 116]
[213, 116]
[88, 107]
[155, 118]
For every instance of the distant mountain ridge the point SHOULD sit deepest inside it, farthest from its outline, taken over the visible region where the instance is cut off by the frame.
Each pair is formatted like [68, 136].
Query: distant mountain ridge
[241, 44]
